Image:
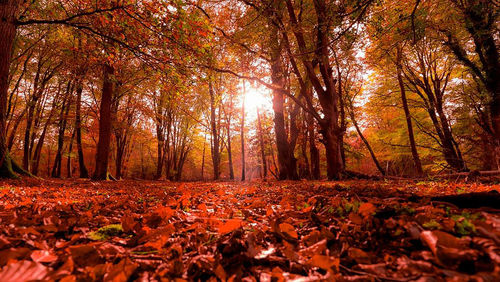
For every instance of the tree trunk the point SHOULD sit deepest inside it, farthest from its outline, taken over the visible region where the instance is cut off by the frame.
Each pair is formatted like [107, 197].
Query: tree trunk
[229, 153]
[69, 172]
[313, 150]
[63, 119]
[229, 146]
[84, 173]
[8, 9]
[38, 149]
[409, 125]
[479, 19]
[334, 167]
[262, 147]
[215, 134]
[103, 146]
[119, 161]
[365, 141]
[12, 135]
[287, 166]
[242, 132]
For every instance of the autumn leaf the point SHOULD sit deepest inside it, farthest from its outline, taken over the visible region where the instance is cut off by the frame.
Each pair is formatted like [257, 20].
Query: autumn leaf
[366, 209]
[165, 212]
[324, 262]
[23, 271]
[43, 256]
[220, 272]
[289, 230]
[121, 272]
[229, 225]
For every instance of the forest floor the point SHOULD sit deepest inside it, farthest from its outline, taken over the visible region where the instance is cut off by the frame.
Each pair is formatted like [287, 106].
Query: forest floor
[259, 231]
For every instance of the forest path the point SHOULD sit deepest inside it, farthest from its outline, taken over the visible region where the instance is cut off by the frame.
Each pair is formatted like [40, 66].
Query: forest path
[77, 229]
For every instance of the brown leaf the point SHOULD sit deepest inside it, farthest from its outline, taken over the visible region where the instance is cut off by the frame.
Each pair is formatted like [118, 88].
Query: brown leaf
[85, 255]
[289, 230]
[43, 256]
[23, 271]
[317, 248]
[324, 262]
[121, 272]
[128, 223]
[359, 255]
[220, 272]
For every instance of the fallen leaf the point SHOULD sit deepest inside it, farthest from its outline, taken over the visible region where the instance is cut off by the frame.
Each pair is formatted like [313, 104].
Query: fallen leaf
[23, 271]
[43, 256]
[324, 262]
[121, 272]
[289, 230]
[366, 209]
[230, 225]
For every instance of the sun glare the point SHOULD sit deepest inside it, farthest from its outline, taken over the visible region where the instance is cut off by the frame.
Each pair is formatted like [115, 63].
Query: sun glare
[257, 98]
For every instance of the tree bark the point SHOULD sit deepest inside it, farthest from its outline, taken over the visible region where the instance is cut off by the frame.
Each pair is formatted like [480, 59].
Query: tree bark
[229, 146]
[215, 134]
[286, 162]
[103, 145]
[84, 173]
[325, 87]
[365, 141]
[8, 9]
[262, 147]
[481, 26]
[242, 137]
[409, 125]
[230, 153]
[63, 120]
[69, 172]
[313, 150]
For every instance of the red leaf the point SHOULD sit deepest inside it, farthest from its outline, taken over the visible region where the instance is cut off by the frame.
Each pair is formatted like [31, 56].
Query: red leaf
[230, 225]
[366, 209]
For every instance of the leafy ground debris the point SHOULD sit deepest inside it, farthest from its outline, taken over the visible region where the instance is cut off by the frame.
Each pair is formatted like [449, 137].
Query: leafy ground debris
[150, 231]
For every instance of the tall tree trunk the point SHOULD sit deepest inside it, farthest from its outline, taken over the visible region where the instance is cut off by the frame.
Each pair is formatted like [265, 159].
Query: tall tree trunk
[69, 172]
[103, 145]
[160, 160]
[84, 173]
[230, 153]
[119, 161]
[324, 85]
[331, 141]
[38, 149]
[262, 147]
[287, 167]
[365, 141]
[63, 119]
[203, 158]
[409, 125]
[215, 134]
[12, 135]
[313, 150]
[242, 137]
[229, 146]
[482, 27]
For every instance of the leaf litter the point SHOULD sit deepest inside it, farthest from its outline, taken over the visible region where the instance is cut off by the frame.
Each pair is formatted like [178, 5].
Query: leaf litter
[260, 231]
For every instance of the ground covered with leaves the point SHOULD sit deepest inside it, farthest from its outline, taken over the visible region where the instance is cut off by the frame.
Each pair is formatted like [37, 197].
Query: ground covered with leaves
[153, 231]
